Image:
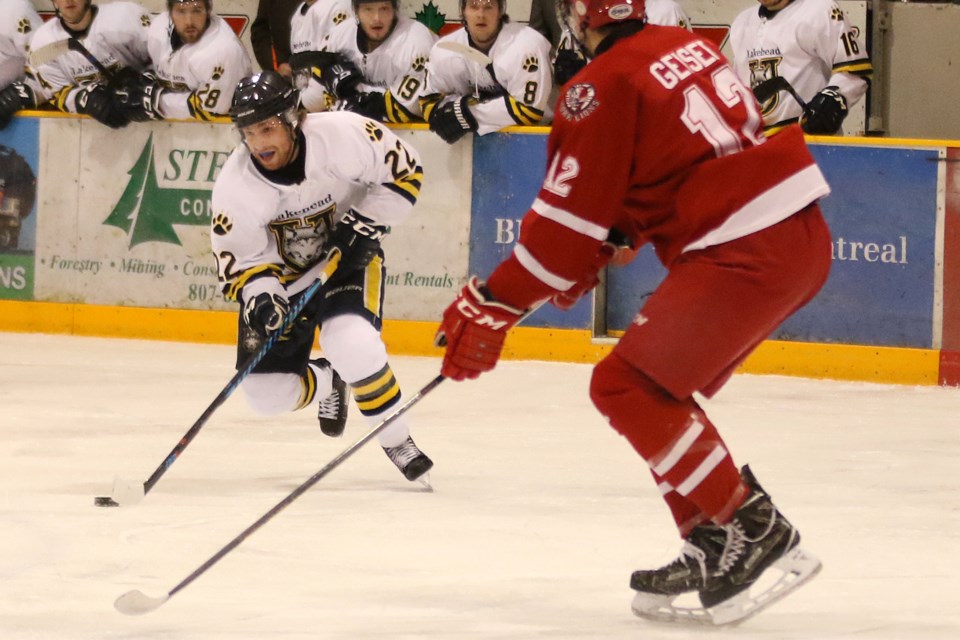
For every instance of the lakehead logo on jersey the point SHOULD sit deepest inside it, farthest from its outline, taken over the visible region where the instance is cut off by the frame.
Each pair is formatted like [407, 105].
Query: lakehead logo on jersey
[148, 212]
[579, 101]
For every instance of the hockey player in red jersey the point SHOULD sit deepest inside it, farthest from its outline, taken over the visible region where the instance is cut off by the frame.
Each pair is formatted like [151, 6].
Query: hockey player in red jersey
[657, 140]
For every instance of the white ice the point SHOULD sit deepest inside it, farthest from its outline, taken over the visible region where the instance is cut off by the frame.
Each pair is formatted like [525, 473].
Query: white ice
[540, 511]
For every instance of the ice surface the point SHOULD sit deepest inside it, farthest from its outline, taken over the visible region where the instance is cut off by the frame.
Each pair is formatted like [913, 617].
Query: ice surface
[540, 511]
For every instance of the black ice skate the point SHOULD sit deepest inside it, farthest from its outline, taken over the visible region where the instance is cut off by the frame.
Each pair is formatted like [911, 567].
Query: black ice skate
[332, 410]
[722, 564]
[412, 462]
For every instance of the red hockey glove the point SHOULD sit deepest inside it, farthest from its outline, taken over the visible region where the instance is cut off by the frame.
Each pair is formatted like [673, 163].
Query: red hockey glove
[473, 330]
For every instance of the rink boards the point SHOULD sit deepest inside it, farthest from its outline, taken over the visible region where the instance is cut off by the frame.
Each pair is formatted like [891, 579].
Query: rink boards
[117, 244]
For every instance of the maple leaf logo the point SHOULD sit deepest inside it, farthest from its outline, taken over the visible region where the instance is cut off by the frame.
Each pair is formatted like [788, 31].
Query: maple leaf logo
[431, 16]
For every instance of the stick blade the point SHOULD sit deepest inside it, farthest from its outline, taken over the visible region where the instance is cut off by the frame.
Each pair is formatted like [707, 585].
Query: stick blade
[48, 53]
[467, 52]
[137, 603]
[126, 492]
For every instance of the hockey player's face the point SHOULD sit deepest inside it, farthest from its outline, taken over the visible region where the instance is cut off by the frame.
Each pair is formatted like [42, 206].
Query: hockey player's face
[73, 12]
[270, 143]
[375, 18]
[189, 20]
[483, 21]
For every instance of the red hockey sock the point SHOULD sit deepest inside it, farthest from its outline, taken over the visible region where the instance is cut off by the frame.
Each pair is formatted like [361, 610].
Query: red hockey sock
[682, 447]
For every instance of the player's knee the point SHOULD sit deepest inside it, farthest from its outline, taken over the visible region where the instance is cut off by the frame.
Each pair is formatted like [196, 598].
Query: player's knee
[621, 392]
[270, 394]
[353, 346]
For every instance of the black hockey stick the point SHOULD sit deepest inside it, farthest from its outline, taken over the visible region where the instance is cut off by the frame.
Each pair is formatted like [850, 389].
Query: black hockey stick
[768, 88]
[126, 492]
[136, 602]
[54, 50]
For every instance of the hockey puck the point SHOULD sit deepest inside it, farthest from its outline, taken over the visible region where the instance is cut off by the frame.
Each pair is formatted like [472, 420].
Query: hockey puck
[105, 501]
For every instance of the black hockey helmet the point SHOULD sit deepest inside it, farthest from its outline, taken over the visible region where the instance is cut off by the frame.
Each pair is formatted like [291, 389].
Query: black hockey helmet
[265, 95]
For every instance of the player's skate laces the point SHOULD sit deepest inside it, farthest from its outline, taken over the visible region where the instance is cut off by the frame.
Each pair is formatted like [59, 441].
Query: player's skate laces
[412, 462]
[729, 560]
[332, 410]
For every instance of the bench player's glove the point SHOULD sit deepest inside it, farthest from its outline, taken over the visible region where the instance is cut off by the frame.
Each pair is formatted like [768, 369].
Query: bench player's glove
[265, 312]
[567, 64]
[139, 93]
[13, 98]
[358, 239]
[473, 330]
[825, 112]
[453, 120]
[101, 104]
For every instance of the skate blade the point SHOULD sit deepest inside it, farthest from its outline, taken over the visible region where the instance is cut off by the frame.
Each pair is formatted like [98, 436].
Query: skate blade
[796, 568]
[424, 481]
[665, 609]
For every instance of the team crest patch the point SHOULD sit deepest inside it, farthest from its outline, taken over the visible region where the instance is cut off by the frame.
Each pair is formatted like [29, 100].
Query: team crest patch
[579, 101]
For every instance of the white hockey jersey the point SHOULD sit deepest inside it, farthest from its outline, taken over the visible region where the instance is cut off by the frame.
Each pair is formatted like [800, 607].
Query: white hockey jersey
[667, 13]
[200, 77]
[811, 44]
[309, 27]
[513, 90]
[117, 38]
[20, 22]
[396, 68]
[262, 228]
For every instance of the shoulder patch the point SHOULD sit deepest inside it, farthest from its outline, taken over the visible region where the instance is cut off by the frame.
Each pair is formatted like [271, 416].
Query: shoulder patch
[221, 224]
[373, 131]
[579, 101]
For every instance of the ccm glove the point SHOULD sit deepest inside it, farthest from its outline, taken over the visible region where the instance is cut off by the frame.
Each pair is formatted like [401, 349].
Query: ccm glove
[373, 105]
[453, 120]
[341, 77]
[139, 94]
[13, 98]
[358, 240]
[473, 330]
[264, 313]
[99, 103]
[824, 113]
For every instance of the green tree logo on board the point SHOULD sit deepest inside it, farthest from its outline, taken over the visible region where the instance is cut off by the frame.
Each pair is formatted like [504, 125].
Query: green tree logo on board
[148, 212]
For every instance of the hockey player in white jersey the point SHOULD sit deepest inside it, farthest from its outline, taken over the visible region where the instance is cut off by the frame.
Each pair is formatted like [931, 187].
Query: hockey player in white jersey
[115, 37]
[466, 93]
[309, 26]
[299, 188]
[19, 24]
[810, 45]
[381, 58]
[198, 61]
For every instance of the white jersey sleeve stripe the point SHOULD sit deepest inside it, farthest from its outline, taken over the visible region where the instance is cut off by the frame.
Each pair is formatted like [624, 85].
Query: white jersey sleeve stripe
[538, 271]
[570, 221]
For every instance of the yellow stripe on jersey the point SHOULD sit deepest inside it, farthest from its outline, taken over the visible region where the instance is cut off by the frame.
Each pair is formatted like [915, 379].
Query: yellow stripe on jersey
[308, 388]
[197, 112]
[522, 114]
[232, 289]
[396, 112]
[59, 99]
[862, 68]
[776, 128]
[377, 393]
[407, 186]
[373, 286]
[428, 104]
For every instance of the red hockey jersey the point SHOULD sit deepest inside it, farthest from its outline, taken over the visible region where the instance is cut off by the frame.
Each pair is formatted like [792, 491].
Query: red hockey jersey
[658, 138]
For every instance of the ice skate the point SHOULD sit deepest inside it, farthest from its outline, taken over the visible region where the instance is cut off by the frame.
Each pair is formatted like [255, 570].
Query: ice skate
[413, 463]
[332, 410]
[737, 569]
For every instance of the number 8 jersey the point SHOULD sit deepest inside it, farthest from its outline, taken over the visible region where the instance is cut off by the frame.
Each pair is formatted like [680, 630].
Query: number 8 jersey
[665, 143]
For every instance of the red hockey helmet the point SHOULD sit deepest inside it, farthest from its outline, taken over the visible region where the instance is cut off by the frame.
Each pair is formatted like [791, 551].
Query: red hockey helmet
[580, 15]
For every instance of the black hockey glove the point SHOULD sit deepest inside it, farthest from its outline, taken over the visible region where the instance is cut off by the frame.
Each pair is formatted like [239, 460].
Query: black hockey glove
[309, 64]
[139, 95]
[824, 113]
[99, 103]
[453, 120]
[358, 240]
[264, 313]
[566, 65]
[372, 105]
[341, 78]
[13, 98]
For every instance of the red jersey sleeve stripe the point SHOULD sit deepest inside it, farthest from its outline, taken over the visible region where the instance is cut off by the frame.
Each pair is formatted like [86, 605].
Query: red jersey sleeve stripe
[570, 220]
[538, 271]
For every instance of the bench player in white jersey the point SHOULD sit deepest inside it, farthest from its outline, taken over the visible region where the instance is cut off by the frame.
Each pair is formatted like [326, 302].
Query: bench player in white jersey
[309, 26]
[810, 45]
[465, 94]
[19, 24]
[115, 36]
[300, 188]
[383, 60]
[198, 61]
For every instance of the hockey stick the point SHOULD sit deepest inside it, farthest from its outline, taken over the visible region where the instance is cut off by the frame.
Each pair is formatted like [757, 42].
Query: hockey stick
[768, 88]
[49, 53]
[467, 52]
[136, 602]
[126, 492]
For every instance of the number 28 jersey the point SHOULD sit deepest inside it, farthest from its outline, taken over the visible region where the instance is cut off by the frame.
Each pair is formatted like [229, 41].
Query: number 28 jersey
[659, 138]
